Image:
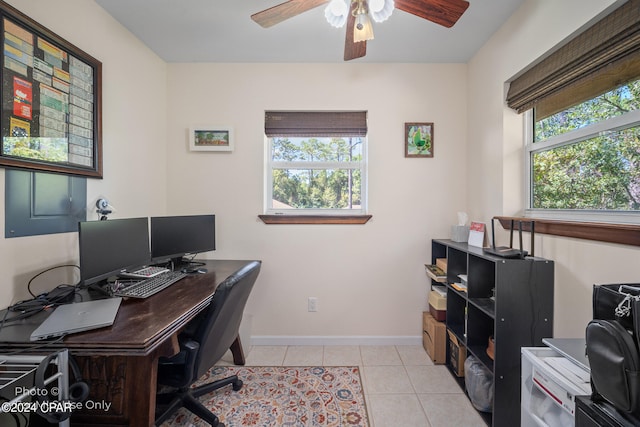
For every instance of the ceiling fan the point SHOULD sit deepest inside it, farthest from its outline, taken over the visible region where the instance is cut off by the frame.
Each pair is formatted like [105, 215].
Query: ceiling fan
[357, 15]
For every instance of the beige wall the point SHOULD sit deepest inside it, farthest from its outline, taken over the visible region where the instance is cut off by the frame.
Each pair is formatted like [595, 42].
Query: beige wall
[495, 184]
[369, 279]
[134, 136]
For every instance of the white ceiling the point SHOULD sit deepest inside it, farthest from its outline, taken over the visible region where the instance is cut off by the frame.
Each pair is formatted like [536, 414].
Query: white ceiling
[222, 31]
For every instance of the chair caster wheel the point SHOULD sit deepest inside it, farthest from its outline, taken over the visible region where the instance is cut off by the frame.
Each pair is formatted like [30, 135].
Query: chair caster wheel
[237, 385]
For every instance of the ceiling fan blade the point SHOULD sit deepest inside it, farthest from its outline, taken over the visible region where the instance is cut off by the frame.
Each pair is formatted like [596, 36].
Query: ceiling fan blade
[276, 14]
[352, 49]
[443, 12]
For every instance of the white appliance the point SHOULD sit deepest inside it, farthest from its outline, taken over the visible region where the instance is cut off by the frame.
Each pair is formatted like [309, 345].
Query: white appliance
[551, 381]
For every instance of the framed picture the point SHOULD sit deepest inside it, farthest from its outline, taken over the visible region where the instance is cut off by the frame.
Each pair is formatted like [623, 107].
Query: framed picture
[418, 139]
[51, 101]
[211, 138]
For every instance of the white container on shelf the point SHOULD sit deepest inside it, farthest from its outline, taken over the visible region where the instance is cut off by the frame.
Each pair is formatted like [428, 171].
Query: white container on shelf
[550, 385]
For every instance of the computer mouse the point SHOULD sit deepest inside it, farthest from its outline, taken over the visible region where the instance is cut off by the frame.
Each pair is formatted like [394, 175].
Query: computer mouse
[201, 270]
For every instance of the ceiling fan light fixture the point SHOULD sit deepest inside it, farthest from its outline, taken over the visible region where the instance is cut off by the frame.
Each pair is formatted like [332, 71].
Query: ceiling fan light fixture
[363, 28]
[336, 13]
[381, 10]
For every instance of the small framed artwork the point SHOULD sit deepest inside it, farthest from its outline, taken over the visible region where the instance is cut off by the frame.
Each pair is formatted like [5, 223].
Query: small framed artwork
[418, 139]
[211, 138]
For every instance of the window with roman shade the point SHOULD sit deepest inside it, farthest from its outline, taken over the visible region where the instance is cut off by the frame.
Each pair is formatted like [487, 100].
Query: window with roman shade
[316, 164]
[581, 105]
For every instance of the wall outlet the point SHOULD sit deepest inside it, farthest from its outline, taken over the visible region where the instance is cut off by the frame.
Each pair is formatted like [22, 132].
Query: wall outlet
[312, 304]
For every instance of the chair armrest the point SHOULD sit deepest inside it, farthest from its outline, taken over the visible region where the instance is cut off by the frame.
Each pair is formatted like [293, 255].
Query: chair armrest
[179, 370]
[190, 350]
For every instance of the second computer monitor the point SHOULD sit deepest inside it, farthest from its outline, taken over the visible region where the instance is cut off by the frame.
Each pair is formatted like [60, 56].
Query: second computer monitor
[172, 237]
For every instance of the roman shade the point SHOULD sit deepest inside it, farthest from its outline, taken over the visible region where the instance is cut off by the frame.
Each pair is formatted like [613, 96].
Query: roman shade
[315, 123]
[601, 58]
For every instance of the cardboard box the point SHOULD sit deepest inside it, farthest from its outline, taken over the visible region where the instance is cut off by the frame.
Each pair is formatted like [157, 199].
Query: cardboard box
[438, 306]
[434, 338]
[457, 354]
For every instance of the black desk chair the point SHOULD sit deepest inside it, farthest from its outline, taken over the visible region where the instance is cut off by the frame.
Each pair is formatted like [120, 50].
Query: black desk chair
[203, 342]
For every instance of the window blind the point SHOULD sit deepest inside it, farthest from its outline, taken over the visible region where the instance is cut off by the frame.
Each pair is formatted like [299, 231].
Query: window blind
[315, 123]
[603, 57]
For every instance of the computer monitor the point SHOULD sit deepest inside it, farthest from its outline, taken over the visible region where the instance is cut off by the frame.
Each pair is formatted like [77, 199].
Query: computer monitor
[111, 246]
[172, 237]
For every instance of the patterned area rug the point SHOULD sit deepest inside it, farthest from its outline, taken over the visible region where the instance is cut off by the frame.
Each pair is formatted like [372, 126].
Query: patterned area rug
[284, 396]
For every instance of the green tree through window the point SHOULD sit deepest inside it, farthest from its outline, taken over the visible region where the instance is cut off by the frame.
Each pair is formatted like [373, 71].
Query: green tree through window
[316, 172]
[587, 157]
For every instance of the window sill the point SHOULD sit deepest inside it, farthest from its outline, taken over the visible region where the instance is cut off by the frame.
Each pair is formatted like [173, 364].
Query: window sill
[625, 234]
[315, 219]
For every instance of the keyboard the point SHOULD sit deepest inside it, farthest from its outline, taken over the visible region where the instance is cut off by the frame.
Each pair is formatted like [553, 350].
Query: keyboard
[145, 272]
[147, 287]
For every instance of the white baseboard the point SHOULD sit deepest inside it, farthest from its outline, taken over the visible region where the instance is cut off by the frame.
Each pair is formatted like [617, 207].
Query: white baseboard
[335, 340]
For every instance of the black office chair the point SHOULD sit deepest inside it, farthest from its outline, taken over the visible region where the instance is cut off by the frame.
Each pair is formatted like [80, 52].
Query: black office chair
[203, 342]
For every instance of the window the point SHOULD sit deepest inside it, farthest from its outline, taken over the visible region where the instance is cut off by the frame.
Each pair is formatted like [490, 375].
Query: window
[587, 157]
[316, 163]
[582, 116]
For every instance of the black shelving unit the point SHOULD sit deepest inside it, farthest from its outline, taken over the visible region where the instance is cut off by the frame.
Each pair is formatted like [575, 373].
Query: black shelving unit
[509, 299]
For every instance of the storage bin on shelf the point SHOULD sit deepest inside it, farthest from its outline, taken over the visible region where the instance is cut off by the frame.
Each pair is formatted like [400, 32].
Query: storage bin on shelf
[438, 306]
[457, 354]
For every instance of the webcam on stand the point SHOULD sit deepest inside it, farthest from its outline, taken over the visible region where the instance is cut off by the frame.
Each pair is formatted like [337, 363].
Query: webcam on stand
[103, 209]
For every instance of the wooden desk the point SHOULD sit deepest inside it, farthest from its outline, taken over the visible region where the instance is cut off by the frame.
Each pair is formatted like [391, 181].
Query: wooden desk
[120, 362]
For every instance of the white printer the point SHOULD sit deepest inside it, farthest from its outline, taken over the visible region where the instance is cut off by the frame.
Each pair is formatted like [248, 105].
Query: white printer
[552, 378]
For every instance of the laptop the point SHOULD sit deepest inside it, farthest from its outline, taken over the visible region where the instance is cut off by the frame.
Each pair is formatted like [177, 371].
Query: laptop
[78, 317]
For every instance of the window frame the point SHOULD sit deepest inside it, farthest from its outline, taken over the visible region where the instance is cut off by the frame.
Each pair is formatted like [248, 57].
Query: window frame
[270, 165]
[627, 120]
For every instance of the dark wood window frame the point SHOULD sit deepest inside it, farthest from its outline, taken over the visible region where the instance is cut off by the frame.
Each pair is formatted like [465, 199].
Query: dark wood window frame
[315, 219]
[624, 234]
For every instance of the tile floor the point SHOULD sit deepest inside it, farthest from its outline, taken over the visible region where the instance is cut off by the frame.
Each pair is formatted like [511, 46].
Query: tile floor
[403, 388]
